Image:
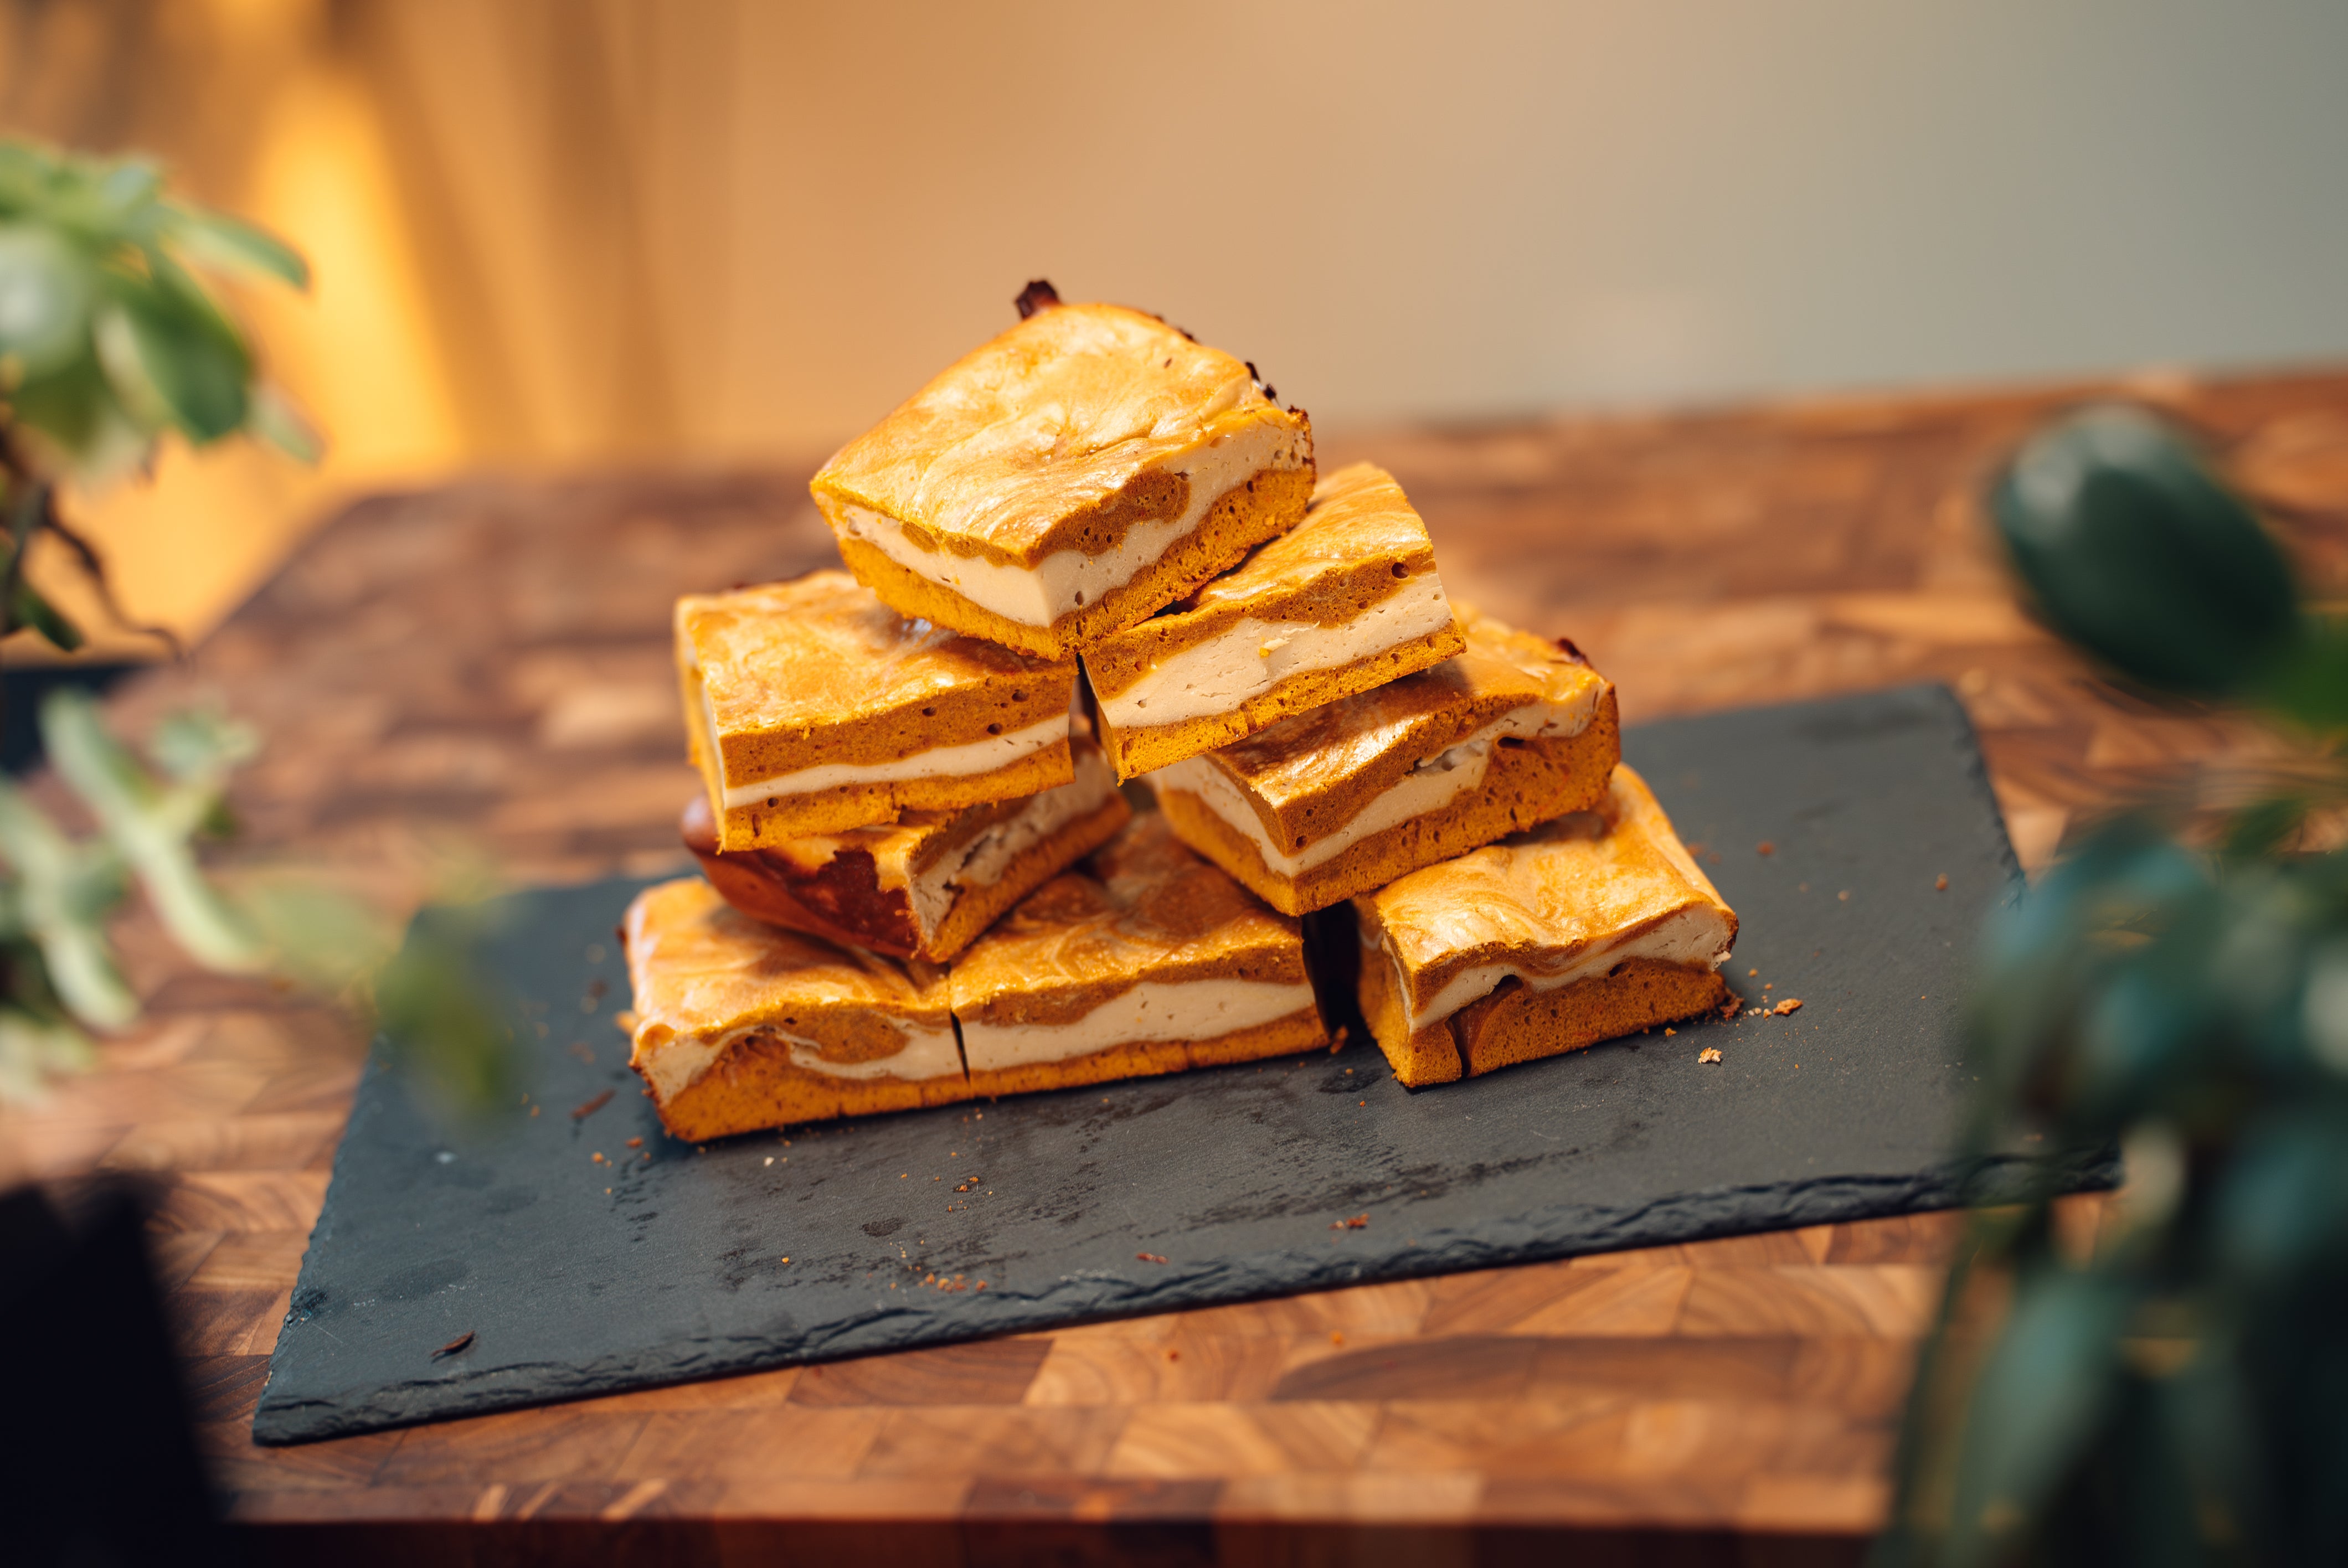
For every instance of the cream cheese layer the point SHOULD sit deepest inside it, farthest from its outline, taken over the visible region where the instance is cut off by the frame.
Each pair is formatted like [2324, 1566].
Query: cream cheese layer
[676, 1064]
[1695, 937]
[1153, 1010]
[1067, 581]
[1214, 677]
[939, 761]
[982, 862]
[1429, 786]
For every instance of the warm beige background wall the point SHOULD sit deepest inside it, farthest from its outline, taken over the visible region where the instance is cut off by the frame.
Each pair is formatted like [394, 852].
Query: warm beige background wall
[599, 231]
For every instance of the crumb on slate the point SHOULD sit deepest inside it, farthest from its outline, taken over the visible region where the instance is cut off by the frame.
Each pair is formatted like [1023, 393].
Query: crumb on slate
[1709, 1053]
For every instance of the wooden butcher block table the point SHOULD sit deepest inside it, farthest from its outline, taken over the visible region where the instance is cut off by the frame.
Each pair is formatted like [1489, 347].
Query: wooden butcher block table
[485, 669]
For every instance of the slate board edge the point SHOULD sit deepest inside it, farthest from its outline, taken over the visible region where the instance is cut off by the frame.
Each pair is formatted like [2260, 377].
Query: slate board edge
[1564, 1233]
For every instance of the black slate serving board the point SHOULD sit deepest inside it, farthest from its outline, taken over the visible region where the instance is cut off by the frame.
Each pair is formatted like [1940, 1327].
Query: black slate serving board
[575, 1277]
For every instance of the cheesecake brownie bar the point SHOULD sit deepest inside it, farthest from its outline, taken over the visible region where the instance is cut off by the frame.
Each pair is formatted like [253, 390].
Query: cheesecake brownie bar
[1592, 926]
[1085, 469]
[1350, 796]
[811, 707]
[740, 1025]
[1346, 601]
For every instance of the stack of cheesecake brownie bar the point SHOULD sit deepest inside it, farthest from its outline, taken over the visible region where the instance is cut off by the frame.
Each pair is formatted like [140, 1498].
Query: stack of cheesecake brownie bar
[1095, 551]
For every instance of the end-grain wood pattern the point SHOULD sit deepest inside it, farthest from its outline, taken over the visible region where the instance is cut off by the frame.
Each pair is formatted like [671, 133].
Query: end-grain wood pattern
[483, 669]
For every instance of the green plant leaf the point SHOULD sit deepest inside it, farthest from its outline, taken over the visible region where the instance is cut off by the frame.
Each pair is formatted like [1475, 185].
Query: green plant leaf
[77, 424]
[217, 239]
[2283, 1202]
[2134, 551]
[2042, 1396]
[186, 357]
[30, 609]
[439, 1018]
[2310, 687]
[274, 418]
[129, 184]
[64, 893]
[150, 827]
[34, 1050]
[45, 299]
[317, 934]
[202, 746]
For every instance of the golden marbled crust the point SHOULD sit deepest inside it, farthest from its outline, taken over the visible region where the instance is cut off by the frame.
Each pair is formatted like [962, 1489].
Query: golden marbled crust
[1133, 752]
[700, 968]
[1143, 908]
[1243, 517]
[1056, 434]
[775, 820]
[1543, 903]
[817, 670]
[1298, 1031]
[1309, 774]
[1359, 543]
[1526, 783]
[1516, 1023]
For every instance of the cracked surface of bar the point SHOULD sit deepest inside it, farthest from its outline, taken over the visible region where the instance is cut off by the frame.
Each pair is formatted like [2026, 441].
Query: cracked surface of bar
[1070, 478]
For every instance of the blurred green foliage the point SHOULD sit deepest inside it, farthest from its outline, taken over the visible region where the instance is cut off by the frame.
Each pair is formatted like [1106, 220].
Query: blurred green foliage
[109, 342]
[2179, 1393]
[106, 338]
[58, 895]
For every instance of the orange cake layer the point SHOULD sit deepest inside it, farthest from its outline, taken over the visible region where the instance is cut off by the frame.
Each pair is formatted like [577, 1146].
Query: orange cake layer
[1592, 926]
[811, 707]
[1146, 959]
[1346, 601]
[926, 886]
[1348, 796]
[1072, 476]
[740, 1025]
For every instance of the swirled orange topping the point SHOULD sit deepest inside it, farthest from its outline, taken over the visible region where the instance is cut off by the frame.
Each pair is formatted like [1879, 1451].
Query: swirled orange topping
[1054, 435]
